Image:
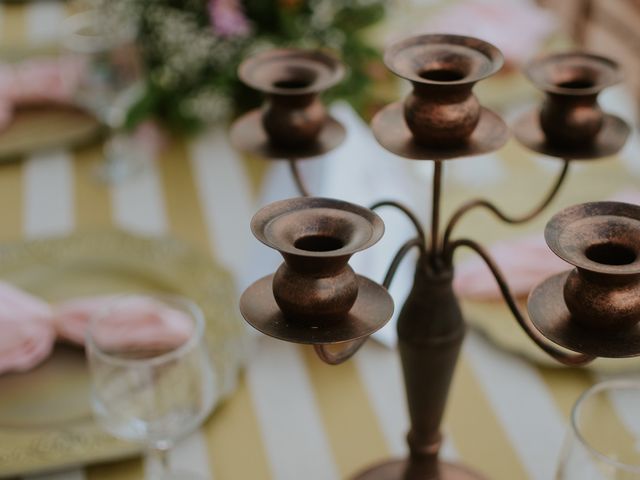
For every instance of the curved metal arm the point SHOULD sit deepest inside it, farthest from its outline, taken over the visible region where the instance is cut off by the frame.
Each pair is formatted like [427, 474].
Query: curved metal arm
[574, 359]
[404, 209]
[397, 259]
[297, 178]
[325, 352]
[481, 203]
[335, 358]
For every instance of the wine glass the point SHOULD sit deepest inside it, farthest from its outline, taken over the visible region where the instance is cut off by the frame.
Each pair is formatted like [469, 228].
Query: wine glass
[604, 438]
[152, 381]
[107, 79]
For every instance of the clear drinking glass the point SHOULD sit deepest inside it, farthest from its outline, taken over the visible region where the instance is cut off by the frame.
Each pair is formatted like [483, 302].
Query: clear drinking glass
[151, 384]
[108, 80]
[604, 437]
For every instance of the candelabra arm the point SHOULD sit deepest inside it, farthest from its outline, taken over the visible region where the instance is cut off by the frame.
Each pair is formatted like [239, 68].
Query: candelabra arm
[397, 259]
[339, 353]
[561, 356]
[297, 178]
[404, 209]
[481, 203]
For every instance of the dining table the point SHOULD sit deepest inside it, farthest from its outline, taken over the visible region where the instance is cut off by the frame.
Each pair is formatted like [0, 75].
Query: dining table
[290, 416]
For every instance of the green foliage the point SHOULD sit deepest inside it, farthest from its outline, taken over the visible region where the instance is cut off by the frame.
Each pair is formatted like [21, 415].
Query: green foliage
[191, 71]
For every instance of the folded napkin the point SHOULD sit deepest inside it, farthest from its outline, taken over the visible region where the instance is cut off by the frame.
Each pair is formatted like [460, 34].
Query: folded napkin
[137, 322]
[29, 326]
[525, 262]
[26, 332]
[35, 81]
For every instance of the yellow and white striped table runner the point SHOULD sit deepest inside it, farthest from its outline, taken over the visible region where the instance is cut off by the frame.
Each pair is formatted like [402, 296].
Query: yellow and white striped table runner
[292, 417]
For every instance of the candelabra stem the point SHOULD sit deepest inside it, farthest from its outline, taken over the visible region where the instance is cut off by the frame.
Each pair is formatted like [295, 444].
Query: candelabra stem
[430, 334]
[435, 214]
[482, 203]
[297, 178]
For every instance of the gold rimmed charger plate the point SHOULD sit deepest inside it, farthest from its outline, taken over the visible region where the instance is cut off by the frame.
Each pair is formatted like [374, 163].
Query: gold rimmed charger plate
[494, 320]
[44, 127]
[45, 416]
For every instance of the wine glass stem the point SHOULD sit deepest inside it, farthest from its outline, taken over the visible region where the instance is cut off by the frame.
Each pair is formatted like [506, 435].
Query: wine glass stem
[158, 462]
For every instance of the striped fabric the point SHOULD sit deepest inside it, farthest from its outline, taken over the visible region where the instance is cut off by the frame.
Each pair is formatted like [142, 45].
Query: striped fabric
[291, 417]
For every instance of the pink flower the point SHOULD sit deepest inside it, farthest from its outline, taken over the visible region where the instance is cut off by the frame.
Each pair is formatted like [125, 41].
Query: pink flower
[228, 19]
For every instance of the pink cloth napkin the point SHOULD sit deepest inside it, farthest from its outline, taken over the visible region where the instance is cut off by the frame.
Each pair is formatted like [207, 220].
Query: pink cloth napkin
[139, 322]
[26, 332]
[29, 326]
[525, 262]
[36, 81]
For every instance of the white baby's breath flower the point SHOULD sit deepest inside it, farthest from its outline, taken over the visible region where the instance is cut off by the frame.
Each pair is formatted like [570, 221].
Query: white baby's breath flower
[207, 105]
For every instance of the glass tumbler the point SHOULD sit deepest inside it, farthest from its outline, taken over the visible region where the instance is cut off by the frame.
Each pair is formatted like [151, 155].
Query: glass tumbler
[152, 381]
[107, 76]
[604, 437]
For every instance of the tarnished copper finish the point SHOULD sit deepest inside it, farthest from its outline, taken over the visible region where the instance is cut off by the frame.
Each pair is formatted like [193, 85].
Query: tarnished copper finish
[395, 470]
[292, 79]
[442, 109]
[602, 239]
[372, 311]
[316, 237]
[550, 315]
[315, 286]
[594, 308]
[570, 114]
[430, 333]
[608, 141]
[570, 123]
[248, 135]
[391, 131]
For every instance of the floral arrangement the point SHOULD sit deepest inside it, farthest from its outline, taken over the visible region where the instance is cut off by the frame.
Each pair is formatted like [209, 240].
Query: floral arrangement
[191, 50]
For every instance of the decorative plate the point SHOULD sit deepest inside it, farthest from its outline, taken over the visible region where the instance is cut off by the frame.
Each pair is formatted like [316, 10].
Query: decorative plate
[45, 127]
[45, 416]
[495, 321]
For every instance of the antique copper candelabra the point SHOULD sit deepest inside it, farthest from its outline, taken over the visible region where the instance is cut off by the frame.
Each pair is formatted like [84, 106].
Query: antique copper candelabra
[316, 298]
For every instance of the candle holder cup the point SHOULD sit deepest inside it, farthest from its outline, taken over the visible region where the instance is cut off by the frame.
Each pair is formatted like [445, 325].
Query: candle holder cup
[315, 286]
[294, 123]
[570, 122]
[595, 307]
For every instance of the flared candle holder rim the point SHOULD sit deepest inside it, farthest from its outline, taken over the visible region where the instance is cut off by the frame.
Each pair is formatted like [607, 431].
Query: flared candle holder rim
[533, 67]
[335, 67]
[561, 220]
[575, 413]
[493, 54]
[275, 210]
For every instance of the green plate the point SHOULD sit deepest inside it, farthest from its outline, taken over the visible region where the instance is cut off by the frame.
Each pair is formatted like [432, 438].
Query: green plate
[45, 417]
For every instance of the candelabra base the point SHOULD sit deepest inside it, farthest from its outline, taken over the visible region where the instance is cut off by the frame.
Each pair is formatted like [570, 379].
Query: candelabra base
[396, 469]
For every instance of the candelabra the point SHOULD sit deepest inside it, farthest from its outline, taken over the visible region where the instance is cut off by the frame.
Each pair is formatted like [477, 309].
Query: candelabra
[316, 298]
